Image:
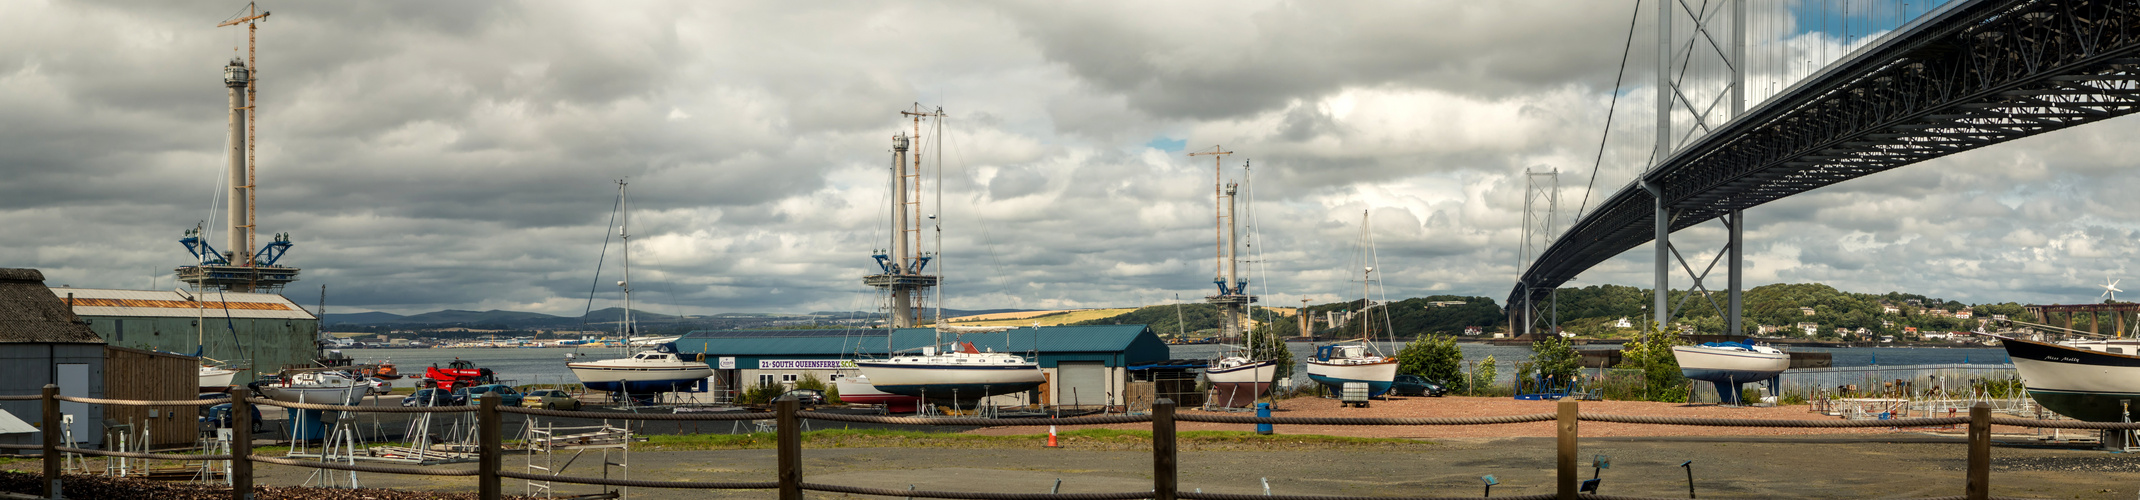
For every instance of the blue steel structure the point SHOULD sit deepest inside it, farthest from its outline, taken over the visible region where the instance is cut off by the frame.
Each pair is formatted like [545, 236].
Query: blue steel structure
[1969, 74]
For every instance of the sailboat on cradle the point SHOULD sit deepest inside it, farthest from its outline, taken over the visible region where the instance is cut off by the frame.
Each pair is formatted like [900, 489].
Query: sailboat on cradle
[1360, 360]
[956, 371]
[648, 372]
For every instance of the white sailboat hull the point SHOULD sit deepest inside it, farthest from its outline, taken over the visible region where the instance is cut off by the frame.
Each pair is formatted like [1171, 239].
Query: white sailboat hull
[319, 395]
[1378, 375]
[951, 382]
[216, 378]
[1729, 365]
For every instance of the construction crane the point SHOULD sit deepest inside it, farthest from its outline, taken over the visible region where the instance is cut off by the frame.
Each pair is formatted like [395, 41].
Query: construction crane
[250, 17]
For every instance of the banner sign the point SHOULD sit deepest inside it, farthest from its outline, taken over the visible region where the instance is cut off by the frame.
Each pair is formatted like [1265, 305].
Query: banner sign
[728, 362]
[805, 364]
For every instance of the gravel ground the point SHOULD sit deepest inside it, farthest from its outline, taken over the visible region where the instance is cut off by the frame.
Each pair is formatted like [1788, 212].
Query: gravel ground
[1727, 462]
[1457, 406]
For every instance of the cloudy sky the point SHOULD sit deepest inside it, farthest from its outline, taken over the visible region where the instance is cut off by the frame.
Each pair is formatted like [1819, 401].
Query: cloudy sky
[429, 155]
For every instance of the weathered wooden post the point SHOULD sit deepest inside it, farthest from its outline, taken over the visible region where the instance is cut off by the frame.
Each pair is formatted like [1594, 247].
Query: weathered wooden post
[1165, 482]
[51, 430]
[1568, 477]
[1979, 451]
[789, 439]
[489, 449]
[241, 446]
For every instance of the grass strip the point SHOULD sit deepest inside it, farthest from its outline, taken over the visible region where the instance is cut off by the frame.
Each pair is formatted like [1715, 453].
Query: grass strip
[1088, 439]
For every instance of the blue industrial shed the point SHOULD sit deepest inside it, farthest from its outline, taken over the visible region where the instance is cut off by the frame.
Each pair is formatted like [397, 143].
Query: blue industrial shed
[1085, 364]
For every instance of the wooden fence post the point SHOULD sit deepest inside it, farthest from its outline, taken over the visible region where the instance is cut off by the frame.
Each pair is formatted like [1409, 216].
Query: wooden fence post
[489, 449]
[1165, 481]
[1979, 452]
[241, 446]
[789, 442]
[1567, 476]
[52, 430]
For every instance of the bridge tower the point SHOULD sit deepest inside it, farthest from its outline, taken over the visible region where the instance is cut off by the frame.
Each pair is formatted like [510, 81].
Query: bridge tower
[1680, 100]
[1233, 297]
[238, 267]
[1541, 207]
[903, 264]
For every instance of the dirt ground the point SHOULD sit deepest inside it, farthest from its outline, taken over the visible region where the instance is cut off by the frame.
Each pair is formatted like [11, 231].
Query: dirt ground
[1842, 466]
[1457, 406]
[1443, 460]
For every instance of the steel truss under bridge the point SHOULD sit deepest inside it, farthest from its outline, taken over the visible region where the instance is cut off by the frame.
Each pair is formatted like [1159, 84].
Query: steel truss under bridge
[1972, 74]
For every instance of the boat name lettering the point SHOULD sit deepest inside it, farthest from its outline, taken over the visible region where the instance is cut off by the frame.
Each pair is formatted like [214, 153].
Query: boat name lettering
[804, 364]
[2062, 359]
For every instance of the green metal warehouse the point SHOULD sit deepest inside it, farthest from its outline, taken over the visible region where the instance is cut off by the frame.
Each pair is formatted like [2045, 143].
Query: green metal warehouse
[1085, 365]
[263, 332]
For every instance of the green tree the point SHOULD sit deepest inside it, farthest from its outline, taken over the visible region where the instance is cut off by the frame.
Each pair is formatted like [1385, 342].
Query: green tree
[1482, 375]
[1652, 353]
[1555, 359]
[1433, 357]
[1267, 342]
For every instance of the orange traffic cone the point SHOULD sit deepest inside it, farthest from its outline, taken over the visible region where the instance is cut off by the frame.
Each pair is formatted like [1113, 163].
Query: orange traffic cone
[1051, 438]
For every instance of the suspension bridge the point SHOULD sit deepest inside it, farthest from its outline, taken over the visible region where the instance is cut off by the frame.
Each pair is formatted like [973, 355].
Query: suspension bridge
[1921, 82]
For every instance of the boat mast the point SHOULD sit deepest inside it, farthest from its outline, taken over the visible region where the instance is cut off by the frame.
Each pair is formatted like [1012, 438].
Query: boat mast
[624, 221]
[1367, 276]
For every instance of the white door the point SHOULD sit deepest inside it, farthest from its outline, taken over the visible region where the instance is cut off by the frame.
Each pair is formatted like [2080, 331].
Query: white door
[1081, 383]
[74, 382]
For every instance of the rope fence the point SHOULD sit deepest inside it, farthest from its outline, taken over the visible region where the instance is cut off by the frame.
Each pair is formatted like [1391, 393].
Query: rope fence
[789, 482]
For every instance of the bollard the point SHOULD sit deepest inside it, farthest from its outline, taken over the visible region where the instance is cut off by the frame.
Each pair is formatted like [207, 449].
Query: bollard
[1567, 476]
[1165, 484]
[1689, 466]
[488, 448]
[51, 429]
[241, 446]
[1263, 410]
[1979, 486]
[789, 439]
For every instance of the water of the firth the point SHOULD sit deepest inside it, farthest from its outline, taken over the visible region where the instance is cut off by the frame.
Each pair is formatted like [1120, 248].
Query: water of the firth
[529, 366]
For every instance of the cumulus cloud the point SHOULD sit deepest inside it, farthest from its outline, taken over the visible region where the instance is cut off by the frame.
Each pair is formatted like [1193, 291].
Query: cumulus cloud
[463, 155]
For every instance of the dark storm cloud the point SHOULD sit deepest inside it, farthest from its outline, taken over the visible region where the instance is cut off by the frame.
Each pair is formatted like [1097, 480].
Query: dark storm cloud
[464, 154]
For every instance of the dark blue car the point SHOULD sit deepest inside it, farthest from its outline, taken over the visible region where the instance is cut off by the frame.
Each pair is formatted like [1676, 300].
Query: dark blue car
[436, 397]
[1416, 386]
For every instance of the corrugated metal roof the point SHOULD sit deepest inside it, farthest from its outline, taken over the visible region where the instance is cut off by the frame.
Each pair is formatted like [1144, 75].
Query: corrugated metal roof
[1135, 342]
[171, 304]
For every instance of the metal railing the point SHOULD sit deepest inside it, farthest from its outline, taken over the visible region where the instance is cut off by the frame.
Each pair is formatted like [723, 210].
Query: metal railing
[789, 484]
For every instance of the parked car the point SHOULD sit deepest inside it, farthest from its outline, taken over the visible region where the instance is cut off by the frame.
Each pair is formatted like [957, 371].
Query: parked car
[505, 394]
[218, 415]
[1417, 386]
[550, 399]
[436, 397]
[803, 397]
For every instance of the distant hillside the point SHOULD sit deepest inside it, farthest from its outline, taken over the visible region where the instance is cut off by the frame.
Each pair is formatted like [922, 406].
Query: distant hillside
[362, 318]
[491, 317]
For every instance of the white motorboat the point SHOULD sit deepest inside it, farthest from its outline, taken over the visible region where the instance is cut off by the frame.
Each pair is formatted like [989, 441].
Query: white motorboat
[216, 379]
[2090, 380]
[317, 387]
[1240, 380]
[1730, 365]
[647, 372]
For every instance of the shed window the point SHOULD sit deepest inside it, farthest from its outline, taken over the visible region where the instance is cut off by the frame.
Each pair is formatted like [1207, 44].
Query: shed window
[118, 330]
[787, 377]
[765, 379]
